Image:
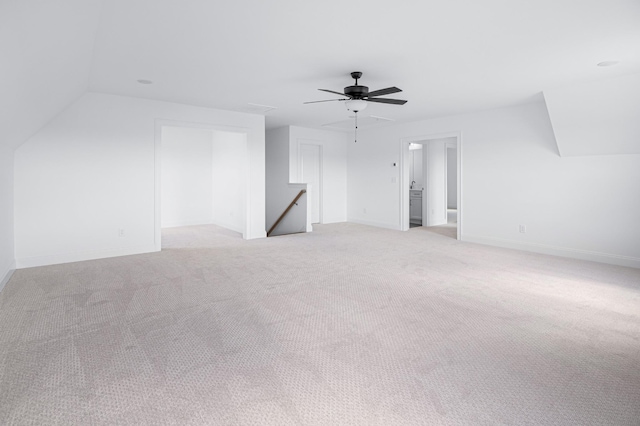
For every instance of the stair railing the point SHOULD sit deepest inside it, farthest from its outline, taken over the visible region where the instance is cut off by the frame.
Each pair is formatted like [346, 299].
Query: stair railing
[284, 213]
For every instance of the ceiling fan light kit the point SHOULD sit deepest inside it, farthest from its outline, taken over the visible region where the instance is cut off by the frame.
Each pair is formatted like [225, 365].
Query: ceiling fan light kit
[358, 96]
[355, 105]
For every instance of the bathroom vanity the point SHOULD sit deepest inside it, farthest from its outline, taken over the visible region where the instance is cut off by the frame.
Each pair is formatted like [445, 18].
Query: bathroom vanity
[415, 206]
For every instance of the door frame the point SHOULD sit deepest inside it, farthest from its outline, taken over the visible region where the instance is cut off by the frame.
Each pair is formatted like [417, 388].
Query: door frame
[404, 176]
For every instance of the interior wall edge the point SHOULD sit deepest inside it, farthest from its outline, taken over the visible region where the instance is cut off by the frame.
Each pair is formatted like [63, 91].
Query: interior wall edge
[593, 256]
[9, 270]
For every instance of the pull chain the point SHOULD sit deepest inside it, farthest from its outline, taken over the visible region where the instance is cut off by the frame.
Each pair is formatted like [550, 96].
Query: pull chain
[356, 132]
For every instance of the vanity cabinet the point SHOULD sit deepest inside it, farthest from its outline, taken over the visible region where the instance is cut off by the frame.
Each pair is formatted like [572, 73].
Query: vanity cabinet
[415, 206]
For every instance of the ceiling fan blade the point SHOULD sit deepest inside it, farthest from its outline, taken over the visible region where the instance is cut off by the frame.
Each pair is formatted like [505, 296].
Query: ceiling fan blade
[336, 93]
[327, 100]
[386, 91]
[387, 101]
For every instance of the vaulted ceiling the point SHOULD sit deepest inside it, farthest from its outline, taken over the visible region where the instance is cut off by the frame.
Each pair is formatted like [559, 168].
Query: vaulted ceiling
[448, 57]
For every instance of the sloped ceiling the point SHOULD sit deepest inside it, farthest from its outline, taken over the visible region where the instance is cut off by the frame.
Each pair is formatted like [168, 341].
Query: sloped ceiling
[448, 57]
[596, 117]
[45, 57]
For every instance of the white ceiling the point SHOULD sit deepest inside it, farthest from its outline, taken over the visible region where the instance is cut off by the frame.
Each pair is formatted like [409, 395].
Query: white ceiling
[449, 57]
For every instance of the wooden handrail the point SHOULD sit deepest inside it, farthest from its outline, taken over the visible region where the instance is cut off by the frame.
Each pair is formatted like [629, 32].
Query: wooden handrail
[284, 213]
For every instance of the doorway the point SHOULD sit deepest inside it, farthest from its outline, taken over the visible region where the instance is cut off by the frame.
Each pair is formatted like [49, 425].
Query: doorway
[201, 177]
[311, 173]
[416, 187]
[441, 183]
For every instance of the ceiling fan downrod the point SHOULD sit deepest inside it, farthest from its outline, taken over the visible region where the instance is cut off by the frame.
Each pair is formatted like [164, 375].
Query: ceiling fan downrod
[356, 75]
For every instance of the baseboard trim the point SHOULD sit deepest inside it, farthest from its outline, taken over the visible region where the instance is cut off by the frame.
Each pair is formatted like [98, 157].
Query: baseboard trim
[613, 259]
[187, 223]
[56, 259]
[7, 273]
[228, 226]
[373, 223]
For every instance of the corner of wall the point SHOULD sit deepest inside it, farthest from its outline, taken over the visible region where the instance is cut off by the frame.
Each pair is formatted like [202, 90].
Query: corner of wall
[7, 215]
[555, 139]
[6, 276]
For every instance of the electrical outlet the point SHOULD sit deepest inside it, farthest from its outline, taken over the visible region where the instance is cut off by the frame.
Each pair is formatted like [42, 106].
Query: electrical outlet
[522, 229]
[364, 210]
[120, 232]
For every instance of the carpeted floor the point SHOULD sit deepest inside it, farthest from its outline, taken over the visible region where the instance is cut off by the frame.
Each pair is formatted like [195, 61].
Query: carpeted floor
[348, 325]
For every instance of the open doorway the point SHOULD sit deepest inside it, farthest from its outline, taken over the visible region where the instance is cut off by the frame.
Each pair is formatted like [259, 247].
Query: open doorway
[201, 178]
[438, 199]
[416, 185]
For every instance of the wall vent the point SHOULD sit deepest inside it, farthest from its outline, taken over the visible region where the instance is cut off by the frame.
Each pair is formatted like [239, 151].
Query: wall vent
[363, 122]
[256, 108]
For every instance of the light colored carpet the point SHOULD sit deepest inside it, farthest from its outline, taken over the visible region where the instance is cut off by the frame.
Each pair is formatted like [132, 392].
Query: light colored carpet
[348, 325]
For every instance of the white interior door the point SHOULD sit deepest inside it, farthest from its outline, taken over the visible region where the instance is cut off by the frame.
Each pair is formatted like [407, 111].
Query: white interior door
[310, 174]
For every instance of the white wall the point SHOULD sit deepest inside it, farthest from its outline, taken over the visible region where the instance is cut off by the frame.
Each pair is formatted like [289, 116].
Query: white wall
[277, 172]
[582, 207]
[229, 171]
[434, 197]
[334, 168]
[93, 170]
[452, 178]
[7, 261]
[416, 171]
[46, 50]
[596, 117]
[187, 185]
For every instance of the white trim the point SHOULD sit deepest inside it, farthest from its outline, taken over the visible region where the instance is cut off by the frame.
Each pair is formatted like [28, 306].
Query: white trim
[404, 186]
[594, 256]
[8, 274]
[194, 222]
[159, 124]
[373, 223]
[229, 226]
[55, 259]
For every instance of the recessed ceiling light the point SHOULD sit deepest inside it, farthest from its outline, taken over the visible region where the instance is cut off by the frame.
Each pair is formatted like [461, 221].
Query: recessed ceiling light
[607, 63]
[142, 81]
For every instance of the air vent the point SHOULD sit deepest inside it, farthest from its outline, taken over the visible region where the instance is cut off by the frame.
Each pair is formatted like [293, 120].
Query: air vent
[256, 108]
[363, 122]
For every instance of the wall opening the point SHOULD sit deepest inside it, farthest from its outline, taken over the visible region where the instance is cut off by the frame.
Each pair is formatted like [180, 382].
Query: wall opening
[202, 178]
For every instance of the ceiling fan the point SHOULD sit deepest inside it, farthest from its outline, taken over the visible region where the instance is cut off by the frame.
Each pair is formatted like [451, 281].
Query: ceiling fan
[357, 96]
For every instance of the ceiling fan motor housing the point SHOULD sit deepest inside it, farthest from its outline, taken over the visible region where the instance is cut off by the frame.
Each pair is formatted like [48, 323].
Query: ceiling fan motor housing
[356, 92]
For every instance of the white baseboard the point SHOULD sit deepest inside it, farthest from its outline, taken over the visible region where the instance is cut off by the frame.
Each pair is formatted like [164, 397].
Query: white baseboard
[6, 273]
[373, 223]
[226, 225]
[55, 259]
[187, 223]
[613, 259]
